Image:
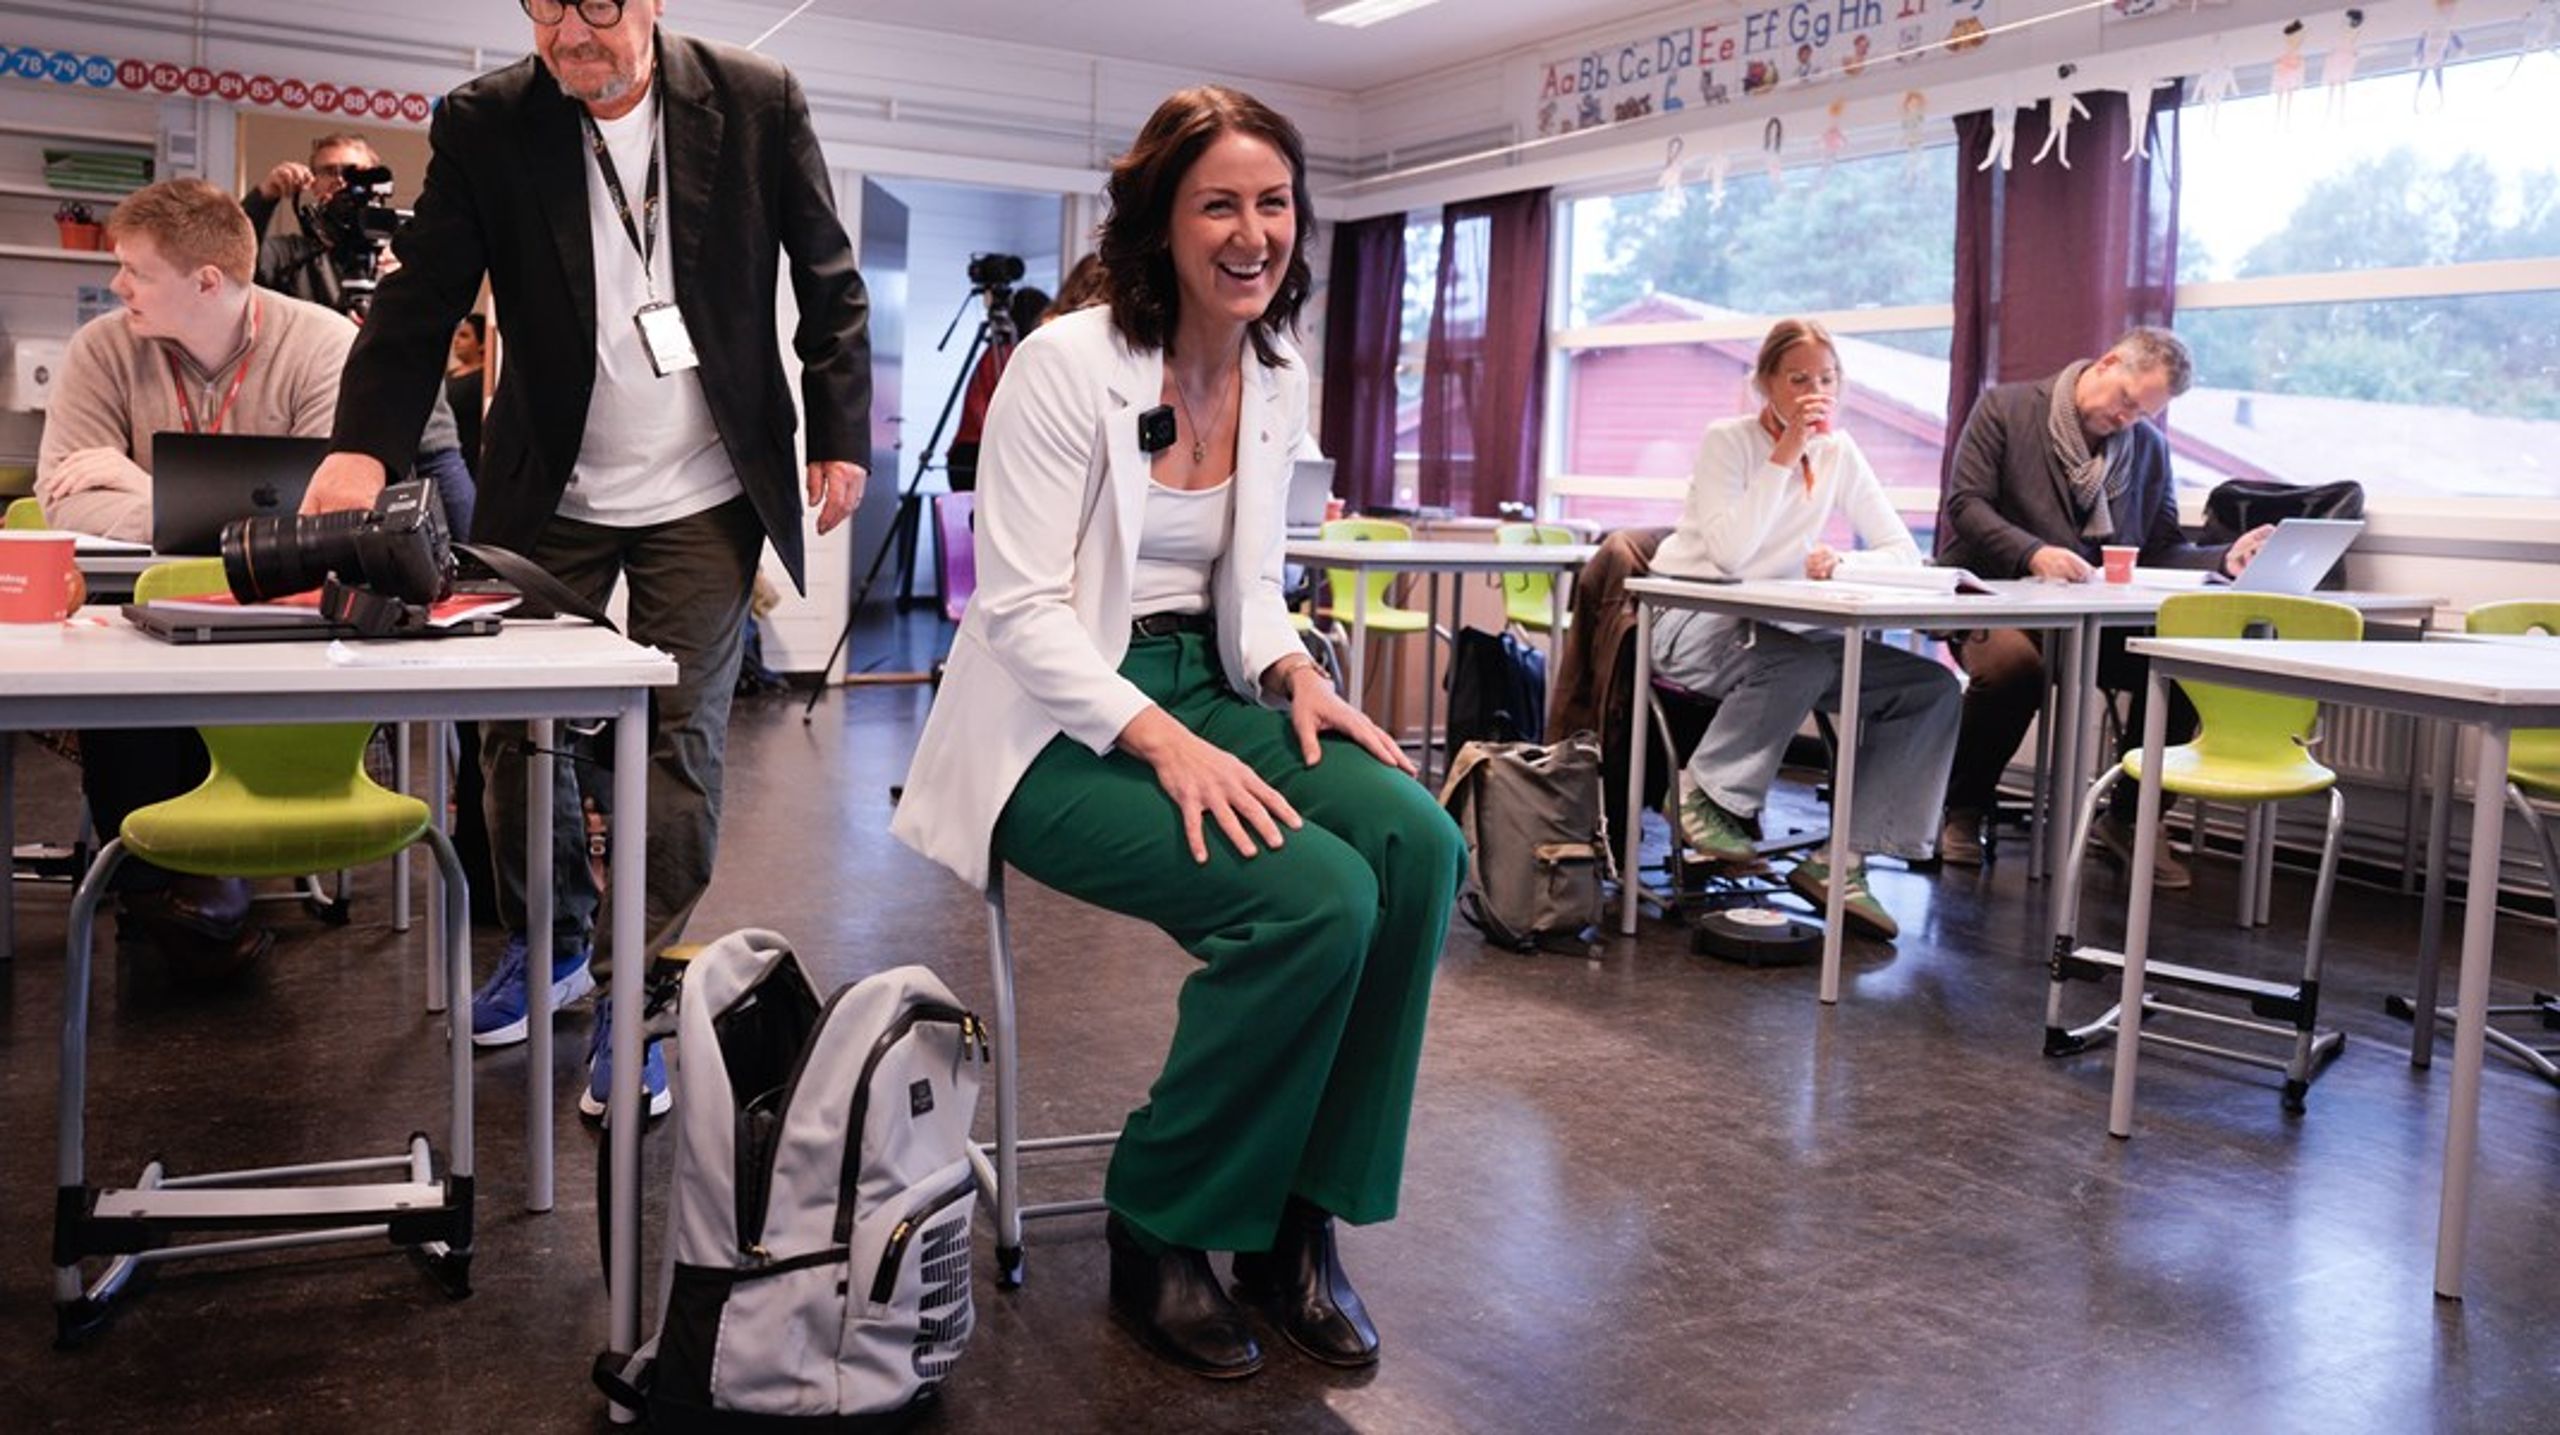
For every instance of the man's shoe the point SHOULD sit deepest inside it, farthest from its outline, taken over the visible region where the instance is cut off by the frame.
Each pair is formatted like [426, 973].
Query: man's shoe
[1960, 838]
[2114, 834]
[1300, 1284]
[1173, 1303]
[1811, 880]
[653, 1071]
[498, 1008]
[1714, 833]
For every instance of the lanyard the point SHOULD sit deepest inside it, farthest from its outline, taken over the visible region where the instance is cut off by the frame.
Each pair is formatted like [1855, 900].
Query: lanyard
[643, 239]
[1770, 427]
[178, 380]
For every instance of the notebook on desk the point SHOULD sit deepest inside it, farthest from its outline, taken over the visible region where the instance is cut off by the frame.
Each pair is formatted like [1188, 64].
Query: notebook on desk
[201, 482]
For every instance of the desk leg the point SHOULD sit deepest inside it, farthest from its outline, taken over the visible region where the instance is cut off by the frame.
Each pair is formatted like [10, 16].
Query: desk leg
[402, 771]
[1631, 836]
[1844, 785]
[2471, 1014]
[2409, 802]
[2422, 1022]
[439, 788]
[1431, 666]
[1360, 636]
[9, 845]
[2137, 920]
[540, 769]
[624, 1109]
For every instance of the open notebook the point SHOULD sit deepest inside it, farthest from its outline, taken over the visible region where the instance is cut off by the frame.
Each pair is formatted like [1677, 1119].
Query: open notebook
[1927, 579]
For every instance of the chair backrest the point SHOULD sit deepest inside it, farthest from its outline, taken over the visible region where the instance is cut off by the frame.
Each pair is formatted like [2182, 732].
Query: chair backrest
[2533, 754]
[300, 761]
[25, 513]
[955, 523]
[1530, 597]
[1338, 581]
[2236, 723]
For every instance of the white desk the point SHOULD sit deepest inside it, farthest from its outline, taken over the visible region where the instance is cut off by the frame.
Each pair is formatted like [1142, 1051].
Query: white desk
[1432, 560]
[1855, 610]
[103, 673]
[2493, 688]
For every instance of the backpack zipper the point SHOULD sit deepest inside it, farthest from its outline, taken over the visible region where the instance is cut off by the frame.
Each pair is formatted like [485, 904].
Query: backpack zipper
[885, 1283]
[973, 1042]
[755, 1184]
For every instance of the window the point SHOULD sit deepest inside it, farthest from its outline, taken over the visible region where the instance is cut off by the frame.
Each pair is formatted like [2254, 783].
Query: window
[1667, 297]
[2372, 287]
[1421, 298]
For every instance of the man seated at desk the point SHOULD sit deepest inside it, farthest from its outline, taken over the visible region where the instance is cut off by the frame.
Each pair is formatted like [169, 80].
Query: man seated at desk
[197, 348]
[2045, 474]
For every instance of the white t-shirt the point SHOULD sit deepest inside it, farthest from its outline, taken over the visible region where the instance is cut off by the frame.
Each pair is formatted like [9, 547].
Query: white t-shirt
[1179, 543]
[651, 453]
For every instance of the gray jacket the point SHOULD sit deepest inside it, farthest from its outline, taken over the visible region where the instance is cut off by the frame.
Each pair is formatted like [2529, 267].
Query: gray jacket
[2009, 495]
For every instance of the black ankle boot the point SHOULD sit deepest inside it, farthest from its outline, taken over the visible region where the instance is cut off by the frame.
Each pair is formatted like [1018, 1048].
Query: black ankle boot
[1299, 1281]
[1174, 1303]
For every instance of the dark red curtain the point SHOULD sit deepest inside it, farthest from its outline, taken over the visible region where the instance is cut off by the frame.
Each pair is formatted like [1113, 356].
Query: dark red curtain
[1363, 327]
[2053, 264]
[1484, 373]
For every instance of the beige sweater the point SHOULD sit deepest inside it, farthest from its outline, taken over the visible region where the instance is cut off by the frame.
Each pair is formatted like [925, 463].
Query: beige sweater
[93, 470]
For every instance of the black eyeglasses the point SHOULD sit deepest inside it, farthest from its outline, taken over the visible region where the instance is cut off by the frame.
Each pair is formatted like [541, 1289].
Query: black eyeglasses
[599, 14]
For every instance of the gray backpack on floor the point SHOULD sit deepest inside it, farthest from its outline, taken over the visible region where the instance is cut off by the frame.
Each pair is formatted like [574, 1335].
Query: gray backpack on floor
[818, 1262]
[1538, 857]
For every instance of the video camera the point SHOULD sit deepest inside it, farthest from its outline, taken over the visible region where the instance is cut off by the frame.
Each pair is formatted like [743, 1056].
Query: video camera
[377, 569]
[353, 228]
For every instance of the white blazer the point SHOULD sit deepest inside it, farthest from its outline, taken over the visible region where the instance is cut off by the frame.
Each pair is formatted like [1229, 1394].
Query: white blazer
[1062, 491]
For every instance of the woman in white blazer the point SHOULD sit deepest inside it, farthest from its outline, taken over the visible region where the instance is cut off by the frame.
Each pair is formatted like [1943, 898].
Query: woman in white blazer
[1129, 718]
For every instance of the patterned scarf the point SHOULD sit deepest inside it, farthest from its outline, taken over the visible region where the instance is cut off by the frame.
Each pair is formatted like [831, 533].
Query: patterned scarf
[2094, 485]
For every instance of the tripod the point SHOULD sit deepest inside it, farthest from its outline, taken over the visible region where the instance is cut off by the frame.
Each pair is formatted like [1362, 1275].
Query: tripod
[994, 335]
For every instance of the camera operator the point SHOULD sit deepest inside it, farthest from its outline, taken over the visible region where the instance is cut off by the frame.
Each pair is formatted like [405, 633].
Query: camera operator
[196, 348]
[633, 198]
[1011, 315]
[337, 260]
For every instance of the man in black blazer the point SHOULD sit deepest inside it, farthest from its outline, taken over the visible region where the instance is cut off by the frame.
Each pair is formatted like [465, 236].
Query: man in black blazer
[2046, 474]
[631, 196]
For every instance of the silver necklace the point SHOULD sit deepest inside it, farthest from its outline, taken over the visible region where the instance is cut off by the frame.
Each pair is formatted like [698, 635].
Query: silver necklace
[1199, 440]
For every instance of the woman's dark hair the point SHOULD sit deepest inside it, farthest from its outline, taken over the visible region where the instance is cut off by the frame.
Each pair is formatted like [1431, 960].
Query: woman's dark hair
[1145, 298]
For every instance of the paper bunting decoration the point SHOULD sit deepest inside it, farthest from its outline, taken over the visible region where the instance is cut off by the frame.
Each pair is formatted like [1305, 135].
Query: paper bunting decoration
[2137, 103]
[2061, 108]
[2338, 67]
[2540, 31]
[1915, 115]
[2437, 45]
[2286, 76]
[1773, 141]
[1669, 183]
[2215, 85]
[2003, 149]
[1834, 138]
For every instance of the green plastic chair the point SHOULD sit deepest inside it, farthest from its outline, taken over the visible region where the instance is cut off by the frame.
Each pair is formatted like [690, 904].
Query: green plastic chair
[1528, 599]
[2250, 748]
[25, 513]
[1340, 587]
[2533, 772]
[280, 801]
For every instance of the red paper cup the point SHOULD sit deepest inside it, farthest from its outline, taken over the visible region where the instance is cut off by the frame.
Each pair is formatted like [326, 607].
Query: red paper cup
[2118, 559]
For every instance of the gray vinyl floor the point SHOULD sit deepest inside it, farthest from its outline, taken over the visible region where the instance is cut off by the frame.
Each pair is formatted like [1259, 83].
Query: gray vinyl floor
[1645, 1192]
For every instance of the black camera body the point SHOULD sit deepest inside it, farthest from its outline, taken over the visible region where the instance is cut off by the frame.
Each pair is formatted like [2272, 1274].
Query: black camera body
[352, 229]
[378, 568]
[995, 271]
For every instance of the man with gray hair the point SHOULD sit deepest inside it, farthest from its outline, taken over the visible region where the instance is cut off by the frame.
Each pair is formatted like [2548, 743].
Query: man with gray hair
[2046, 473]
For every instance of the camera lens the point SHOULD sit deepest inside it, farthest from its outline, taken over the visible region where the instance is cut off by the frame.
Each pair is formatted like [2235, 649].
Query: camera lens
[264, 559]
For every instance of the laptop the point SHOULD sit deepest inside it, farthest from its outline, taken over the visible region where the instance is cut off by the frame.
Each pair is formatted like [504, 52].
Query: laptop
[1310, 484]
[200, 482]
[2298, 555]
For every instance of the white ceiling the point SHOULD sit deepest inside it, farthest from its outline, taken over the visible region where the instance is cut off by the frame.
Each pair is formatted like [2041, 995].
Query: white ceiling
[1257, 39]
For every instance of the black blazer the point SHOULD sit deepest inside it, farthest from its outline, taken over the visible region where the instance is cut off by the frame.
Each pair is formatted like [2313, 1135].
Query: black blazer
[2009, 495]
[506, 196]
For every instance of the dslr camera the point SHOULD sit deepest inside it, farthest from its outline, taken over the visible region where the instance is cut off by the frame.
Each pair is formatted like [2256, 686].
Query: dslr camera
[352, 229]
[377, 569]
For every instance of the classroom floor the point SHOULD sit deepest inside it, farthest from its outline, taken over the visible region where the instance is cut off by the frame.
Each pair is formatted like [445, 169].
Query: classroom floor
[1645, 1192]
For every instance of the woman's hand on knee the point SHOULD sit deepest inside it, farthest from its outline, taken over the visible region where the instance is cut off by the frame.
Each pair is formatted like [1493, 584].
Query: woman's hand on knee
[1315, 708]
[1206, 782]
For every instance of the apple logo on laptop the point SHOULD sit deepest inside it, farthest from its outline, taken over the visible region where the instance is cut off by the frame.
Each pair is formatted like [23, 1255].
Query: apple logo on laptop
[266, 496]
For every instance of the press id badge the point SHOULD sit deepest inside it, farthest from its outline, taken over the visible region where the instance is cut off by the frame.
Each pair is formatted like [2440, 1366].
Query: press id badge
[662, 333]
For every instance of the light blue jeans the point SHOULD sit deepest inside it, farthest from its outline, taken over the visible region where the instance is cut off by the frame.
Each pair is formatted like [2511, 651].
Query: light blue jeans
[1765, 680]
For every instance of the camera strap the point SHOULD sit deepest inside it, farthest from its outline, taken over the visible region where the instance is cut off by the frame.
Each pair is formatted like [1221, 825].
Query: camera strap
[544, 596]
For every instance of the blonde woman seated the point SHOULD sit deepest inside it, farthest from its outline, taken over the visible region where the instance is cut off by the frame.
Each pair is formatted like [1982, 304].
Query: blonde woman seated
[1761, 497]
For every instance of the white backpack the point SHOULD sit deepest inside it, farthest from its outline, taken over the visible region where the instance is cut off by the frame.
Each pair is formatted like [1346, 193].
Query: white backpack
[818, 1262]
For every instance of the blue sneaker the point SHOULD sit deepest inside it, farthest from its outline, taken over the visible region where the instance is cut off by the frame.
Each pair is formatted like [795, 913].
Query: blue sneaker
[498, 1008]
[653, 1070]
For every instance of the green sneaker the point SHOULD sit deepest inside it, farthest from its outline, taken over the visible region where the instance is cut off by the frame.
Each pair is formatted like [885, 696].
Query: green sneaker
[1812, 880]
[1714, 833]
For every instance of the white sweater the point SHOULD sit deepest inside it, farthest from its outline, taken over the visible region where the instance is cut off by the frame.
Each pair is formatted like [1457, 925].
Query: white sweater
[1748, 518]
